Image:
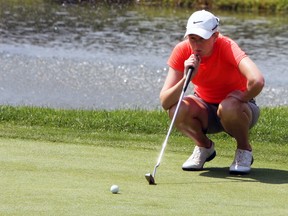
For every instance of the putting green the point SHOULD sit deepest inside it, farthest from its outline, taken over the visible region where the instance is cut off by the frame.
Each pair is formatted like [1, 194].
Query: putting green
[46, 178]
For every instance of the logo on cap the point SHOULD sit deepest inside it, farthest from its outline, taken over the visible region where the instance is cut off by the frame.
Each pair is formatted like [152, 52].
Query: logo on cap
[195, 22]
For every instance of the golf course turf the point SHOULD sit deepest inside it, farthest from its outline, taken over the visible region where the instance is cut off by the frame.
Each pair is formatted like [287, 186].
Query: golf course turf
[61, 162]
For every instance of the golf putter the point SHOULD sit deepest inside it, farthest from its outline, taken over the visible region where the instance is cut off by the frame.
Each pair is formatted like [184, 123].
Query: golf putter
[151, 177]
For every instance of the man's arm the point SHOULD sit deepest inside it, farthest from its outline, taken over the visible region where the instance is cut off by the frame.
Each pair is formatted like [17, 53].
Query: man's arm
[255, 80]
[172, 88]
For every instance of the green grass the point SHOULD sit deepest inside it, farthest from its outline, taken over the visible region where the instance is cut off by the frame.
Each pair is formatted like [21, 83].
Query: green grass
[63, 162]
[232, 5]
[252, 5]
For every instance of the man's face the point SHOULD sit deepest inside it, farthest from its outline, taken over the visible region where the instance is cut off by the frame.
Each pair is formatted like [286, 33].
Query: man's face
[202, 47]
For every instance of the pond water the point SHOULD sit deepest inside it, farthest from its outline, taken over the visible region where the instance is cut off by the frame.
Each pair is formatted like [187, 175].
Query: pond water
[94, 57]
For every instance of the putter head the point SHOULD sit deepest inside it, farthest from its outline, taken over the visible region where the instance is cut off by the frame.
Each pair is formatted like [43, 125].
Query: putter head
[150, 179]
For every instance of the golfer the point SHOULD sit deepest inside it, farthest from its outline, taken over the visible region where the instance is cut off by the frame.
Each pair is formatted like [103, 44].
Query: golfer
[226, 82]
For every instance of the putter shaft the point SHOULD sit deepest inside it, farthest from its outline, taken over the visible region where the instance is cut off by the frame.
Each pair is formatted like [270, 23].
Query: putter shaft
[187, 80]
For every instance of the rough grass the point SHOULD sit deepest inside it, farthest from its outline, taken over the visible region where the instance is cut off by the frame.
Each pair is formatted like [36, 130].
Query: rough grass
[232, 5]
[272, 126]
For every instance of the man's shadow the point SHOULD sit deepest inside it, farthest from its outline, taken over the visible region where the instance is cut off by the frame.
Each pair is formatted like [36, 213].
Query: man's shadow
[264, 175]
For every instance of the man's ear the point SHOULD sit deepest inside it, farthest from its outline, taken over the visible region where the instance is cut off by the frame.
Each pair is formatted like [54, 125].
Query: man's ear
[215, 35]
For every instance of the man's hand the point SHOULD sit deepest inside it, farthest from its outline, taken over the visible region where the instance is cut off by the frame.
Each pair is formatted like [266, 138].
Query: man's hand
[239, 95]
[192, 61]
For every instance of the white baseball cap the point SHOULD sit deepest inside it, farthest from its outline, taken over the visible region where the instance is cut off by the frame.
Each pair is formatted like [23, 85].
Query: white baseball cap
[202, 23]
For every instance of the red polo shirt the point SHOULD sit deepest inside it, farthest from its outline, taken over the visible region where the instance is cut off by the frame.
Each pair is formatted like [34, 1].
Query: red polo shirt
[218, 74]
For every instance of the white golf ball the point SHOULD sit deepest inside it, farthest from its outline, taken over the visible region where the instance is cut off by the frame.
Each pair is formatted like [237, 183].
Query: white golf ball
[114, 189]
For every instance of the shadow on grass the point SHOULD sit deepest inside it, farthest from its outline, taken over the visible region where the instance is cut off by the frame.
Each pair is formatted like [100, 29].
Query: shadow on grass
[263, 175]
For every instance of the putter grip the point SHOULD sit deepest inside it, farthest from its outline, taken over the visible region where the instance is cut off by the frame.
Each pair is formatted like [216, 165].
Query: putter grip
[188, 78]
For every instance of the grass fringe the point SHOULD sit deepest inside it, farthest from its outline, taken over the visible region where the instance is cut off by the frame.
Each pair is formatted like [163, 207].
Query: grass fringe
[271, 128]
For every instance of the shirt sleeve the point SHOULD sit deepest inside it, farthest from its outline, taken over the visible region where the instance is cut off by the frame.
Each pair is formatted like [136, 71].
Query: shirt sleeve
[180, 53]
[236, 54]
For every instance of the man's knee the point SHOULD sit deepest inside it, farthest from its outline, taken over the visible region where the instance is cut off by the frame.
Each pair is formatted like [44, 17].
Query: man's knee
[184, 110]
[188, 109]
[231, 109]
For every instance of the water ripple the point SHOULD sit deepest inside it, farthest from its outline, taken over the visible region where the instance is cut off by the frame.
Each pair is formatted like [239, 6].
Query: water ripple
[109, 58]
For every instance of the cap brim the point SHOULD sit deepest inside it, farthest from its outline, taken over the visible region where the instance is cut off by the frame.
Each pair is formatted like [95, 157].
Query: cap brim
[200, 32]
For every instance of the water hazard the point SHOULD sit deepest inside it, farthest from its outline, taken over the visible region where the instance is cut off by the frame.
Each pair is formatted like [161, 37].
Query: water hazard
[94, 57]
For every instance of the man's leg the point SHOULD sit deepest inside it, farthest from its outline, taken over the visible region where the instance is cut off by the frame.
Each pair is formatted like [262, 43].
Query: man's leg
[236, 118]
[192, 120]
